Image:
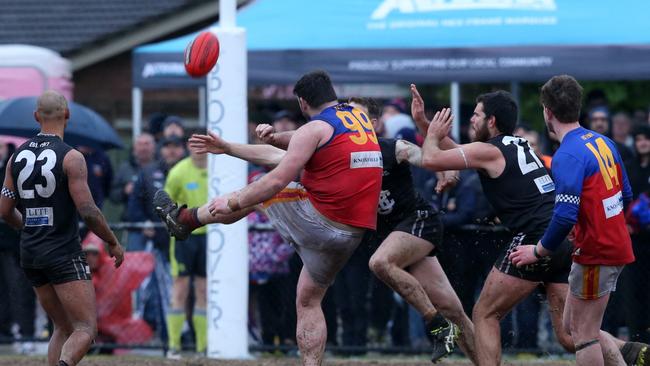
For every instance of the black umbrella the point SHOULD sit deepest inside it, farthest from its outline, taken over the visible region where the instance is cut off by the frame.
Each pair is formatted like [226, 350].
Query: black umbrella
[85, 127]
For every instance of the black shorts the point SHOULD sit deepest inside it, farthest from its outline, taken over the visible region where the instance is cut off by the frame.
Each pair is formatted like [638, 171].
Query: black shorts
[425, 224]
[190, 256]
[73, 269]
[551, 269]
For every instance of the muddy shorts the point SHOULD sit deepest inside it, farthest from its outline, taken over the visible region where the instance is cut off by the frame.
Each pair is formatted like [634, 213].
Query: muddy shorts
[323, 248]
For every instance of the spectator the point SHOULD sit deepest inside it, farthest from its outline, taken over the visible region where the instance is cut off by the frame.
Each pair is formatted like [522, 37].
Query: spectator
[268, 259]
[533, 140]
[397, 124]
[152, 300]
[115, 320]
[636, 297]
[621, 129]
[100, 173]
[187, 184]
[598, 119]
[144, 149]
[285, 121]
[173, 126]
[156, 121]
[17, 300]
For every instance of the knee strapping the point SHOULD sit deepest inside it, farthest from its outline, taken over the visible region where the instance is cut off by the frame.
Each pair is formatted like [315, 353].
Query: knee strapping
[583, 345]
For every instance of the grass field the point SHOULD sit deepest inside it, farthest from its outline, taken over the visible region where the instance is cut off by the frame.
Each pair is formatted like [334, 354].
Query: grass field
[263, 361]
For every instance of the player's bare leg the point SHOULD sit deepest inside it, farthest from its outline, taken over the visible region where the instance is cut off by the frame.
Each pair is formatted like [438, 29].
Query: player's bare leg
[501, 292]
[584, 318]
[78, 300]
[311, 332]
[556, 294]
[556, 297]
[435, 283]
[62, 328]
[397, 252]
[181, 221]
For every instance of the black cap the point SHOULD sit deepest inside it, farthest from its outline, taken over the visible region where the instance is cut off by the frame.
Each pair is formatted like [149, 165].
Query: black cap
[171, 120]
[175, 140]
[283, 114]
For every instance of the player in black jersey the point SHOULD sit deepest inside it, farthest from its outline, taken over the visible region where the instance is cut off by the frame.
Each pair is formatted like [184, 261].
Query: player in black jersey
[410, 231]
[519, 188]
[44, 189]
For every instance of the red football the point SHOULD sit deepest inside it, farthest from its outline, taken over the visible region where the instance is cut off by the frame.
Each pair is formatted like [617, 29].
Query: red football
[201, 54]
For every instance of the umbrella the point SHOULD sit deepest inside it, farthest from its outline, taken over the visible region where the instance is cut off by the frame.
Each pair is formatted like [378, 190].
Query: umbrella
[85, 127]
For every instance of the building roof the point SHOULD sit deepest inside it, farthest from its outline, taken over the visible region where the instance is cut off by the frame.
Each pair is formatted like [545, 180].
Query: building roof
[68, 26]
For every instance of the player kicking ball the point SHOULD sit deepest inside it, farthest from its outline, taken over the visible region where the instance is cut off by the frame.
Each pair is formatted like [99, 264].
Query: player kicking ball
[339, 160]
[409, 228]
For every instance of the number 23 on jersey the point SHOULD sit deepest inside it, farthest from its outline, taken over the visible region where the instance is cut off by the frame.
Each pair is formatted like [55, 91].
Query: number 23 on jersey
[30, 159]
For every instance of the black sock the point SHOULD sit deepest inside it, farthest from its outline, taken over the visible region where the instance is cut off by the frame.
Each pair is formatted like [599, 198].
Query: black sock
[63, 363]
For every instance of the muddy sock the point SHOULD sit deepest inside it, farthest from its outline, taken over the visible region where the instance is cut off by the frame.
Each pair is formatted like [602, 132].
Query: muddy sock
[189, 217]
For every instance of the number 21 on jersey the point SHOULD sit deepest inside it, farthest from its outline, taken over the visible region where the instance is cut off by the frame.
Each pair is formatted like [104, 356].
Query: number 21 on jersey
[606, 162]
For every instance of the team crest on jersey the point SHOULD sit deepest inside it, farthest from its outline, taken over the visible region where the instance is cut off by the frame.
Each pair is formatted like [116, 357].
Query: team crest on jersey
[39, 216]
[386, 203]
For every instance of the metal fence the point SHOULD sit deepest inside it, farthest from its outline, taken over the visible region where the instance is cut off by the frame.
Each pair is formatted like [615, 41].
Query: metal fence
[382, 321]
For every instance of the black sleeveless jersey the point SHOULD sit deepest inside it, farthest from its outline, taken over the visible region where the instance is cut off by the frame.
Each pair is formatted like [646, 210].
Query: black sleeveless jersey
[51, 228]
[523, 195]
[398, 197]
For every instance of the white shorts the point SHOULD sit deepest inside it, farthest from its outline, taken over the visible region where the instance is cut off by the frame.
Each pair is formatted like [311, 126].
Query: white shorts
[323, 248]
[593, 281]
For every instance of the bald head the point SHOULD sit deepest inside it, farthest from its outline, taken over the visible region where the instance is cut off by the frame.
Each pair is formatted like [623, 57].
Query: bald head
[51, 106]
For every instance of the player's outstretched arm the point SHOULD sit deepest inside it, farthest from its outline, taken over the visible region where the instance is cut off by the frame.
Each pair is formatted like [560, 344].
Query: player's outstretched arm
[260, 154]
[74, 166]
[411, 153]
[8, 211]
[267, 134]
[303, 144]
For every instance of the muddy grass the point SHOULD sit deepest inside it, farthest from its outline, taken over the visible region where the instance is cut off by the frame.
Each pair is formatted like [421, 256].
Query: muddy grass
[262, 361]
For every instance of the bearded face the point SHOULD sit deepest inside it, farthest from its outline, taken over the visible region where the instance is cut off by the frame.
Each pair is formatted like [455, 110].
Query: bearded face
[480, 124]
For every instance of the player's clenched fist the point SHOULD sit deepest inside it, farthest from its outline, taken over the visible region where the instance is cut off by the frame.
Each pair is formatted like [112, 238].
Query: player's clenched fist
[116, 251]
[266, 133]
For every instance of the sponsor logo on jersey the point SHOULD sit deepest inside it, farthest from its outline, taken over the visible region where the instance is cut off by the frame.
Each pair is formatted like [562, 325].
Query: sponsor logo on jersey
[366, 159]
[39, 216]
[545, 184]
[613, 205]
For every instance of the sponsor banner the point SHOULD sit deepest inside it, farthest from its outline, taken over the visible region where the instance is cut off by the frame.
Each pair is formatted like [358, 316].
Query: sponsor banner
[436, 65]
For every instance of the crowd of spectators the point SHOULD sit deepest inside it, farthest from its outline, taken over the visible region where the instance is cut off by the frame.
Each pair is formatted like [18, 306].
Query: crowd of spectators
[360, 310]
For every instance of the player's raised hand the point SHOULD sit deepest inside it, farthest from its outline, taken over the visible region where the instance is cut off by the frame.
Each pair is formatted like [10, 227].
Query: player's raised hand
[523, 255]
[417, 110]
[447, 180]
[441, 124]
[266, 133]
[210, 143]
[116, 251]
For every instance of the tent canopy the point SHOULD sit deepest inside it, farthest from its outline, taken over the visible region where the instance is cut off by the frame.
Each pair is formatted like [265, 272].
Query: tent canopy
[426, 41]
[29, 70]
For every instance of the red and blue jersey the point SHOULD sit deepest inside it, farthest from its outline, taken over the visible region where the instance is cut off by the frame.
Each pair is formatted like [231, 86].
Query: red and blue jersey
[591, 186]
[343, 177]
